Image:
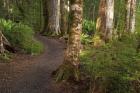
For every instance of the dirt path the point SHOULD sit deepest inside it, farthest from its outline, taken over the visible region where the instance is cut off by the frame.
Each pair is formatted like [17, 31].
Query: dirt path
[28, 74]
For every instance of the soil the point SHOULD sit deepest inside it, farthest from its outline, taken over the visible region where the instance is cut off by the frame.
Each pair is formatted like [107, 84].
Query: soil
[32, 74]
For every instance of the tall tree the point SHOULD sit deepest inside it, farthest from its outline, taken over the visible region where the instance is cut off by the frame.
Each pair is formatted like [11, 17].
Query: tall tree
[71, 60]
[130, 15]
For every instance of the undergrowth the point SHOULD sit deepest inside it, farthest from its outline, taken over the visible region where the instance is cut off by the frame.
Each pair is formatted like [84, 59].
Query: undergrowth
[21, 37]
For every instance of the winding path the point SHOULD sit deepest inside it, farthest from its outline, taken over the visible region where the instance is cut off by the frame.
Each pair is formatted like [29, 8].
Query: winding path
[27, 74]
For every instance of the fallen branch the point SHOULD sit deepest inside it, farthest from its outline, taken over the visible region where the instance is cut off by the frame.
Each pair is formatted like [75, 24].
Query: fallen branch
[5, 44]
[2, 49]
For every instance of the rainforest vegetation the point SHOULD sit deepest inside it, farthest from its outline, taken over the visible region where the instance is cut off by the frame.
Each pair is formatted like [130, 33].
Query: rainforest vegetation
[69, 46]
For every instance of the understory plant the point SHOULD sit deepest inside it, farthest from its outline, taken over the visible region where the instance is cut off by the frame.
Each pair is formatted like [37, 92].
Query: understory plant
[89, 28]
[114, 67]
[21, 37]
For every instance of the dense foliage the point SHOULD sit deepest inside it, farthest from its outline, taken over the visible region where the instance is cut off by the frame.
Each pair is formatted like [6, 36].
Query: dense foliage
[20, 36]
[114, 66]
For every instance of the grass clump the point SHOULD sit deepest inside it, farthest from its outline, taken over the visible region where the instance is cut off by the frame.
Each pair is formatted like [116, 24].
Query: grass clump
[5, 57]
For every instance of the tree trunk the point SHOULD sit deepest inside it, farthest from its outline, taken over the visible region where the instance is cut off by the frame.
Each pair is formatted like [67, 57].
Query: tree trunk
[57, 16]
[130, 15]
[45, 16]
[52, 26]
[101, 20]
[71, 60]
[133, 16]
[105, 20]
[128, 6]
[64, 17]
[74, 43]
[109, 19]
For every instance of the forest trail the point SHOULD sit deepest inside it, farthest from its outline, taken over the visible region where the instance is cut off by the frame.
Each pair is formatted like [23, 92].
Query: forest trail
[27, 74]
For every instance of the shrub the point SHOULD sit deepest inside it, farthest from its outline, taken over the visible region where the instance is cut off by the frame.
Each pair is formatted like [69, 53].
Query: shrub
[114, 66]
[20, 36]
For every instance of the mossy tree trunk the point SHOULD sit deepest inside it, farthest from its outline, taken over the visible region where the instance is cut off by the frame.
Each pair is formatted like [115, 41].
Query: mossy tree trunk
[74, 43]
[71, 60]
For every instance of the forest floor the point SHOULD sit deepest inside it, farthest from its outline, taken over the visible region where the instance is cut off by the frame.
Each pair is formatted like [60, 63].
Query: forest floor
[32, 74]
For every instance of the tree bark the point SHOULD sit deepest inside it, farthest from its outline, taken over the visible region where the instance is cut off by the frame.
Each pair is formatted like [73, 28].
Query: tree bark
[109, 19]
[128, 5]
[130, 15]
[57, 16]
[74, 42]
[5, 44]
[101, 20]
[71, 58]
[105, 20]
[133, 16]
[45, 16]
[64, 17]
[52, 17]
